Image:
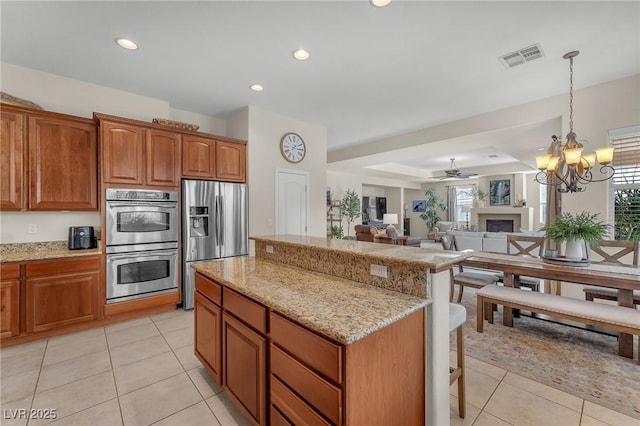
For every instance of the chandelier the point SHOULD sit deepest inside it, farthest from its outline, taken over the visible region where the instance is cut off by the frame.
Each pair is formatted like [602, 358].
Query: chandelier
[564, 166]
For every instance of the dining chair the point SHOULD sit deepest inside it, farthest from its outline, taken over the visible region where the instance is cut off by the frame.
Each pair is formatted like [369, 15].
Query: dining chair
[465, 278]
[613, 252]
[457, 317]
[525, 245]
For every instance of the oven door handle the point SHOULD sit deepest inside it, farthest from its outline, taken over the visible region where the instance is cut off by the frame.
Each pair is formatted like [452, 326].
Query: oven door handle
[167, 206]
[140, 254]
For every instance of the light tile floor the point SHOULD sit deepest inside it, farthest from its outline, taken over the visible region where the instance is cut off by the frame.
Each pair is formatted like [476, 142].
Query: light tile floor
[143, 372]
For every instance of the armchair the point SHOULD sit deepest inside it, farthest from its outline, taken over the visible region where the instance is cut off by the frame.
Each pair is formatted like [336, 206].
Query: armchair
[441, 229]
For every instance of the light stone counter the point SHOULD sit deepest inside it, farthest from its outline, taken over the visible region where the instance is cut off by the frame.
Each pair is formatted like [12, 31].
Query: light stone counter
[434, 259]
[414, 271]
[340, 309]
[23, 252]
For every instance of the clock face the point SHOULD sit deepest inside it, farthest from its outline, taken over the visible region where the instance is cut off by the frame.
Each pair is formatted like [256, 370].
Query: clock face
[292, 147]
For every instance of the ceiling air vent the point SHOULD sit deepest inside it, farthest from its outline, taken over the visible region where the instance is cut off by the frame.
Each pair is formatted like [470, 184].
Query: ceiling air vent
[521, 56]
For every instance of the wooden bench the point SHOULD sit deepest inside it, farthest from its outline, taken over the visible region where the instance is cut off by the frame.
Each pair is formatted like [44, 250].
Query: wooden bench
[621, 319]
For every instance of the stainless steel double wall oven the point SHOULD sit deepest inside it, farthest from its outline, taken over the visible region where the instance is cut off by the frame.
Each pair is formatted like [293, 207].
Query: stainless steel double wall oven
[141, 243]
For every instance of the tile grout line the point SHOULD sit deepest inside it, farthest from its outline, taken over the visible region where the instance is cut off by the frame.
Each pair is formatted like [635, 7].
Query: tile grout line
[113, 376]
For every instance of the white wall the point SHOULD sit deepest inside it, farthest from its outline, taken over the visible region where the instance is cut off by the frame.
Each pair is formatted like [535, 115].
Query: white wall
[265, 129]
[75, 97]
[367, 186]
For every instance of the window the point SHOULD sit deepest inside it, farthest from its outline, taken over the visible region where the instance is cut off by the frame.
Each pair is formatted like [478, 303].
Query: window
[464, 201]
[543, 203]
[626, 182]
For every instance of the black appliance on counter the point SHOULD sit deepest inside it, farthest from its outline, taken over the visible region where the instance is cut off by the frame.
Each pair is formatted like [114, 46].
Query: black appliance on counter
[82, 237]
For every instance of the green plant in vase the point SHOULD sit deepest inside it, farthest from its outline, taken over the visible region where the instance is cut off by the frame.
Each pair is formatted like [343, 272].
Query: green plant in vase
[350, 207]
[433, 204]
[574, 230]
[337, 232]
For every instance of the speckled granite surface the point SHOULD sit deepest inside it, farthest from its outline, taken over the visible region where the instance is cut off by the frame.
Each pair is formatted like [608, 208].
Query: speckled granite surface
[406, 266]
[21, 252]
[342, 310]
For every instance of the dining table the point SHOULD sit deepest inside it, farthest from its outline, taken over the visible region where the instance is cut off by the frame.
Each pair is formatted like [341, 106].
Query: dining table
[623, 278]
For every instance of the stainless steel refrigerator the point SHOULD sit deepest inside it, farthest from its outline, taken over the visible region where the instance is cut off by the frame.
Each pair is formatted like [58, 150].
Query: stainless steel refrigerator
[214, 225]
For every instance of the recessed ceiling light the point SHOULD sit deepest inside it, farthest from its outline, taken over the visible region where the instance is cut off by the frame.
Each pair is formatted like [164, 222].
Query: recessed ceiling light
[544, 148]
[380, 3]
[126, 44]
[301, 55]
[256, 88]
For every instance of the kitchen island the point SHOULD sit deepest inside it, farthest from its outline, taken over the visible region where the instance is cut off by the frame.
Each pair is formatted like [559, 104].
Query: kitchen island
[304, 333]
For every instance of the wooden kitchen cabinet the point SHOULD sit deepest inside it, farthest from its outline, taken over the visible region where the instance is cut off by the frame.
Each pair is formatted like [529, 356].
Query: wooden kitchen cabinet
[12, 150]
[9, 300]
[311, 379]
[49, 161]
[244, 368]
[207, 344]
[123, 149]
[62, 292]
[63, 164]
[231, 161]
[206, 158]
[163, 158]
[135, 154]
[198, 157]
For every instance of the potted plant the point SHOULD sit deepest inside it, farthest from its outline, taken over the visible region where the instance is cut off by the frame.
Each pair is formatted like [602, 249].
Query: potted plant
[433, 204]
[350, 207]
[337, 232]
[478, 195]
[574, 230]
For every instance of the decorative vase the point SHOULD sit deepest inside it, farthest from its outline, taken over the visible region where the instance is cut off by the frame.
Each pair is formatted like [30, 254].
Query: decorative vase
[573, 249]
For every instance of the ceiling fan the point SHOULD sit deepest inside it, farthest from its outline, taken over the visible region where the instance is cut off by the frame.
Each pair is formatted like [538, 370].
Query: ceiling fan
[454, 173]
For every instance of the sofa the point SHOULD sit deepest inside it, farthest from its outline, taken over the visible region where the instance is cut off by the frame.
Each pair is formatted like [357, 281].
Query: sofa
[366, 232]
[491, 242]
[373, 234]
[441, 229]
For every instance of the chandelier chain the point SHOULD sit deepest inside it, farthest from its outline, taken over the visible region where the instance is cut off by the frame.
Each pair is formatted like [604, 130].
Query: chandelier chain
[571, 95]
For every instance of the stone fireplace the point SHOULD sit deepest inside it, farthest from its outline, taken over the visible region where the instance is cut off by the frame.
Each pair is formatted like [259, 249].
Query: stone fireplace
[500, 225]
[522, 217]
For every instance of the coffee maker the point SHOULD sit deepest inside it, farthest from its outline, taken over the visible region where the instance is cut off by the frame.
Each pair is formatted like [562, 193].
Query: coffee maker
[82, 237]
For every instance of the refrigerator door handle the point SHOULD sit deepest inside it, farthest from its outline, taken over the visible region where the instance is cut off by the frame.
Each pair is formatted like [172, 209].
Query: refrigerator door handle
[222, 222]
[217, 219]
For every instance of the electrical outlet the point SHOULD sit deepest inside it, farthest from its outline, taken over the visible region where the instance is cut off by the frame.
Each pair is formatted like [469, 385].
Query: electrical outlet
[33, 228]
[379, 270]
[270, 249]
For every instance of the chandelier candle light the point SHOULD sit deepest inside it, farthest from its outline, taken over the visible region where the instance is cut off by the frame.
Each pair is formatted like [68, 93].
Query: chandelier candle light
[565, 166]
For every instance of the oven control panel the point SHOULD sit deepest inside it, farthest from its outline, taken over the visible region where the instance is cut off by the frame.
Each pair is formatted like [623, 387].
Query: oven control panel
[140, 195]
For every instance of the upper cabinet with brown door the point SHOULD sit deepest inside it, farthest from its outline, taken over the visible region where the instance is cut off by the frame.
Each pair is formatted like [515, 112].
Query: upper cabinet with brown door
[138, 153]
[163, 158]
[198, 157]
[12, 150]
[231, 161]
[217, 159]
[63, 164]
[49, 161]
[123, 149]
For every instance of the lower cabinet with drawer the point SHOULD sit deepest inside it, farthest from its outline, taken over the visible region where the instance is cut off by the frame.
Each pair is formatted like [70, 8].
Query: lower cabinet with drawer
[9, 300]
[244, 347]
[62, 292]
[279, 372]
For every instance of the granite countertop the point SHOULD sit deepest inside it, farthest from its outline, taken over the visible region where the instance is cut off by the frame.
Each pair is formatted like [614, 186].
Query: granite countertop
[434, 259]
[22, 252]
[343, 310]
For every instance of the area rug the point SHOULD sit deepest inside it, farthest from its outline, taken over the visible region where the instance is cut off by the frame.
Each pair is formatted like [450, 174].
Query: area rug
[580, 362]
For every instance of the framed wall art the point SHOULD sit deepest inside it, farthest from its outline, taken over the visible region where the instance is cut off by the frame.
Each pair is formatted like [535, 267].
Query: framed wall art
[419, 206]
[500, 192]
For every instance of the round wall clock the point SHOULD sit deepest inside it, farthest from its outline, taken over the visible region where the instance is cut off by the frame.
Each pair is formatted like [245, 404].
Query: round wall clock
[292, 147]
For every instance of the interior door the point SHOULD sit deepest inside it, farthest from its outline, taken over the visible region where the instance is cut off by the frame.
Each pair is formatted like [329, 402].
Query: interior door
[292, 201]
